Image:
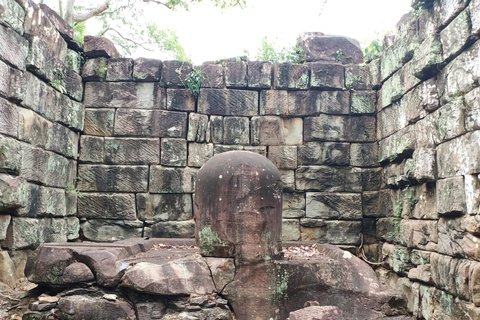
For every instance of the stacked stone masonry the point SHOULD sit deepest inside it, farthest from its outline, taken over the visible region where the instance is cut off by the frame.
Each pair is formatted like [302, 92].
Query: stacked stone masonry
[383, 154]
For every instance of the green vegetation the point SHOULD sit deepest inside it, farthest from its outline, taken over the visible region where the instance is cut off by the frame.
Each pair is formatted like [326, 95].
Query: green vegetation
[270, 52]
[208, 239]
[280, 286]
[195, 80]
[57, 84]
[73, 187]
[372, 51]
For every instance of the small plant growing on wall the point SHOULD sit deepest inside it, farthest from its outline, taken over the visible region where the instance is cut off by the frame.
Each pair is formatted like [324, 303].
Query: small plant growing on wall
[208, 239]
[72, 187]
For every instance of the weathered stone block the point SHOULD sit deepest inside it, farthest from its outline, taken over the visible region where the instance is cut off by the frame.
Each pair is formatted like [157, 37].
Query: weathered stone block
[283, 157]
[132, 151]
[424, 166]
[270, 130]
[173, 152]
[45, 61]
[472, 111]
[288, 180]
[370, 203]
[330, 153]
[172, 180]
[23, 233]
[472, 194]
[46, 167]
[291, 76]
[427, 58]
[293, 205]
[290, 230]
[174, 229]
[62, 140]
[371, 179]
[340, 128]
[259, 74]
[140, 95]
[153, 123]
[13, 192]
[112, 178]
[455, 35]
[274, 103]
[391, 91]
[451, 196]
[164, 207]
[359, 77]
[334, 205]
[198, 127]
[5, 80]
[147, 69]
[16, 52]
[4, 223]
[94, 47]
[73, 61]
[111, 230]
[13, 15]
[446, 275]
[73, 85]
[303, 103]
[459, 156]
[33, 128]
[321, 47]
[236, 74]
[10, 155]
[99, 122]
[328, 179]
[397, 145]
[95, 69]
[213, 76]
[43, 202]
[92, 149]
[180, 100]
[199, 153]
[327, 76]
[364, 154]
[426, 202]
[8, 118]
[216, 129]
[175, 73]
[230, 102]
[72, 114]
[257, 149]
[223, 148]
[363, 102]
[236, 130]
[448, 9]
[334, 232]
[335, 102]
[449, 121]
[107, 206]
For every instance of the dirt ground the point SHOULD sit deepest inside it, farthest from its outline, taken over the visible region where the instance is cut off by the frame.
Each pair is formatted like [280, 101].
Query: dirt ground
[14, 302]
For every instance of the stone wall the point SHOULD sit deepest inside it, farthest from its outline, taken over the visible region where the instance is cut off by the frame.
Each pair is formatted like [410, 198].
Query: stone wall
[427, 222]
[146, 136]
[41, 116]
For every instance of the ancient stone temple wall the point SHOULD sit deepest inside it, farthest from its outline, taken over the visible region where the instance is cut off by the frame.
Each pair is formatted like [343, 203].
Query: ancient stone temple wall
[41, 116]
[428, 121]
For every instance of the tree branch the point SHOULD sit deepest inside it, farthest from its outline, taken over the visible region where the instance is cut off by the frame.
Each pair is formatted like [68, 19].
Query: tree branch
[125, 38]
[159, 2]
[92, 13]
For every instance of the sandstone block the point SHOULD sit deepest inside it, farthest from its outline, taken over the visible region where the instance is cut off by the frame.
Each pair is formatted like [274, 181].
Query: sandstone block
[132, 151]
[288, 180]
[333, 205]
[321, 47]
[33, 128]
[43, 202]
[472, 194]
[274, 102]
[111, 230]
[23, 233]
[337, 102]
[199, 153]
[259, 74]
[151, 123]
[5, 81]
[475, 18]
[283, 157]
[291, 76]
[459, 156]
[236, 74]
[334, 232]
[13, 15]
[449, 121]
[359, 77]
[139, 95]
[95, 69]
[173, 152]
[426, 202]
[119, 69]
[92, 149]
[455, 35]
[73, 61]
[62, 140]
[7, 276]
[472, 111]
[164, 207]
[4, 223]
[290, 230]
[8, 118]
[198, 127]
[371, 179]
[172, 180]
[328, 179]
[293, 205]
[72, 114]
[113, 178]
[363, 102]
[213, 76]
[270, 130]
[451, 196]
[173, 229]
[10, 155]
[364, 154]
[107, 206]
[340, 128]
[94, 47]
[397, 145]
[13, 192]
[223, 148]
[52, 230]
[16, 52]
[230, 102]
[148, 70]
[175, 73]
[216, 129]
[317, 313]
[180, 100]
[329, 153]
[236, 130]
[427, 58]
[303, 103]
[99, 122]
[327, 76]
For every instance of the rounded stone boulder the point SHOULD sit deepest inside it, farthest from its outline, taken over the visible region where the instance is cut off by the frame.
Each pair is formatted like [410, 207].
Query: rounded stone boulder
[238, 207]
